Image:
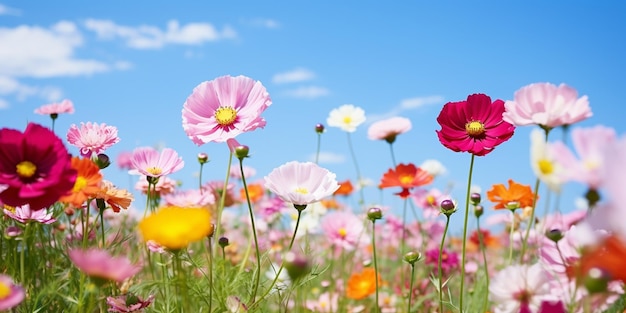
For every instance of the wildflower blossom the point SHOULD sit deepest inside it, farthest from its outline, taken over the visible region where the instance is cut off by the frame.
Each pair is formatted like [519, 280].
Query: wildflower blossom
[474, 125]
[10, 294]
[547, 105]
[543, 161]
[87, 182]
[150, 162]
[223, 108]
[345, 188]
[433, 167]
[235, 172]
[175, 228]
[343, 229]
[347, 117]
[520, 287]
[517, 195]
[301, 183]
[35, 167]
[128, 303]
[92, 138]
[24, 214]
[54, 109]
[100, 265]
[405, 176]
[117, 198]
[388, 129]
[449, 259]
[163, 186]
[189, 198]
[124, 160]
[256, 192]
[361, 284]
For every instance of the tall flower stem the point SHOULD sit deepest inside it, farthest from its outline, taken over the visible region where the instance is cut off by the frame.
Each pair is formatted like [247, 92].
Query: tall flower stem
[411, 287]
[319, 144]
[210, 269]
[256, 242]
[220, 207]
[358, 171]
[532, 213]
[440, 269]
[375, 262]
[463, 251]
[403, 240]
[393, 155]
[181, 282]
[483, 248]
[200, 178]
[511, 236]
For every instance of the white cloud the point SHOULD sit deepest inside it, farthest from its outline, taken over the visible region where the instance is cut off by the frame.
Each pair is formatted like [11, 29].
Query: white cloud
[122, 65]
[3, 104]
[152, 37]
[296, 75]
[405, 105]
[10, 86]
[307, 92]
[5, 10]
[328, 158]
[265, 23]
[33, 51]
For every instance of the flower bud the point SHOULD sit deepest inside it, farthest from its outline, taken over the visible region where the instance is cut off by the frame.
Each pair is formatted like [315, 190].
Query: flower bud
[593, 197]
[411, 257]
[475, 198]
[513, 205]
[319, 128]
[296, 265]
[211, 230]
[447, 207]
[374, 214]
[242, 152]
[554, 235]
[596, 280]
[478, 211]
[102, 160]
[203, 158]
[223, 242]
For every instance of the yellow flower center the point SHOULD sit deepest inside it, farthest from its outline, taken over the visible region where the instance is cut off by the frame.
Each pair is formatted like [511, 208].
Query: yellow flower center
[406, 179]
[475, 128]
[225, 116]
[5, 290]
[26, 169]
[347, 120]
[546, 167]
[302, 190]
[9, 208]
[80, 183]
[430, 199]
[154, 171]
[342, 232]
[591, 164]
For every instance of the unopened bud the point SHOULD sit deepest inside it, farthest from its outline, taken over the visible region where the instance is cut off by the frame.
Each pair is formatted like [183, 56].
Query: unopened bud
[374, 214]
[411, 257]
[475, 198]
[203, 158]
[554, 235]
[478, 211]
[223, 242]
[102, 160]
[319, 128]
[242, 152]
[296, 265]
[596, 280]
[447, 207]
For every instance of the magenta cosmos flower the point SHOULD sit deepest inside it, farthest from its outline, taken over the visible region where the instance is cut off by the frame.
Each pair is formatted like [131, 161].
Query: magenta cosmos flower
[150, 162]
[10, 294]
[474, 125]
[35, 167]
[128, 303]
[547, 105]
[100, 265]
[223, 108]
[388, 129]
[92, 138]
[301, 183]
[54, 109]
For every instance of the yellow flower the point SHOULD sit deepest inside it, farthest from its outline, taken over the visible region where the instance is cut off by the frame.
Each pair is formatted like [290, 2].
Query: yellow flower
[175, 228]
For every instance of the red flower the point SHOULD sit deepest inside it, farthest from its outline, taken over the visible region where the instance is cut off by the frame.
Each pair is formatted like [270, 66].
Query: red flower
[406, 176]
[35, 166]
[475, 125]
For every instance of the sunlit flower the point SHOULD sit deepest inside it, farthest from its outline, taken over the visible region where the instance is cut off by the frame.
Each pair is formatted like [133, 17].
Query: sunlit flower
[543, 162]
[10, 294]
[608, 257]
[24, 214]
[433, 167]
[189, 198]
[117, 198]
[100, 265]
[474, 125]
[520, 287]
[175, 228]
[217, 187]
[590, 144]
[345, 188]
[128, 303]
[124, 160]
[256, 192]
[388, 129]
[65, 106]
[326, 302]
[429, 200]
[405, 176]
[163, 187]
[35, 167]
[150, 162]
[362, 284]
[516, 196]
[87, 182]
[223, 108]
[547, 105]
[301, 183]
[92, 139]
[449, 260]
[343, 229]
[347, 117]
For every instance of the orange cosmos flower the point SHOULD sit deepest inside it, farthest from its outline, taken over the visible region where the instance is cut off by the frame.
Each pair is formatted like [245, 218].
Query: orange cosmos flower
[87, 181]
[405, 176]
[608, 256]
[117, 198]
[345, 188]
[255, 191]
[363, 284]
[517, 194]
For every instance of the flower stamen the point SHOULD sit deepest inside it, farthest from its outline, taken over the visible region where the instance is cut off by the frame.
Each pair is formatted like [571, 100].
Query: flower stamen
[225, 116]
[26, 169]
[475, 128]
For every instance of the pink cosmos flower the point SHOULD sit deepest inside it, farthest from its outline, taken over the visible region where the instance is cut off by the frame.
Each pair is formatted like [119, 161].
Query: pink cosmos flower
[590, 144]
[301, 183]
[474, 125]
[216, 187]
[223, 108]
[65, 106]
[388, 129]
[150, 162]
[128, 303]
[92, 138]
[164, 186]
[520, 288]
[326, 303]
[24, 214]
[35, 167]
[343, 230]
[124, 160]
[99, 264]
[547, 105]
[235, 172]
[449, 260]
[429, 200]
[189, 198]
[10, 294]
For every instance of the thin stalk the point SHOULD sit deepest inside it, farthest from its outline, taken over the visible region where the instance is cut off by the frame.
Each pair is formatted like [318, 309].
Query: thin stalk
[393, 156]
[208, 252]
[411, 287]
[511, 236]
[375, 262]
[483, 248]
[463, 252]
[256, 242]
[220, 207]
[403, 240]
[358, 171]
[200, 178]
[319, 144]
[440, 269]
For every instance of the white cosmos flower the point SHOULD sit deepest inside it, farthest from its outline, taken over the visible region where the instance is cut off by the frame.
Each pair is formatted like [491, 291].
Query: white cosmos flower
[542, 161]
[347, 117]
[518, 286]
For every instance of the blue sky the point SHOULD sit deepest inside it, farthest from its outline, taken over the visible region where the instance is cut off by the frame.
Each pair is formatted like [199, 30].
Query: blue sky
[132, 65]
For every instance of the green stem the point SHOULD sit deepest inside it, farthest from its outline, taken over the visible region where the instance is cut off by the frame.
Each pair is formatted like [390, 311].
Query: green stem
[220, 207]
[358, 171]
[319, 144]
[256, 242]
[210, 269]
[483, 249]
[393, 156]
[200, 178]
[181, 282]
[375, 262]
[411, 287]
[463, 252]
[439, 268]
[511, 236]
[403, 240]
